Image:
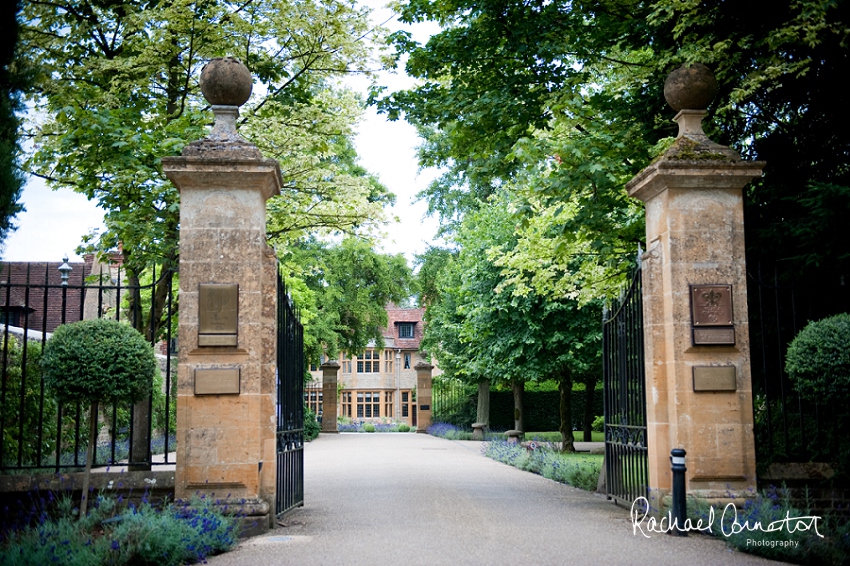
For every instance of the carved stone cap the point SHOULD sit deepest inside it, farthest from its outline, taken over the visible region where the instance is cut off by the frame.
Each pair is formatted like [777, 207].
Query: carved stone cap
[225, 81]
[692, 175]
[423, 366]
[226, 84]
[689, 90]
[330, 364]
[224, 172]
[690, 87]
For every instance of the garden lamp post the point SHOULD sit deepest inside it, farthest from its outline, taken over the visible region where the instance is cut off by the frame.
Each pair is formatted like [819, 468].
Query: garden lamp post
[65, 270]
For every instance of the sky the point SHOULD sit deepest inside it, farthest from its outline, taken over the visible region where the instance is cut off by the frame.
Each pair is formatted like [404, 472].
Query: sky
[55, 221]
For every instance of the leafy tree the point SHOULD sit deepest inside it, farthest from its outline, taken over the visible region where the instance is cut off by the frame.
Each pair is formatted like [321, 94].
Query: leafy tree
[117, 86]
[96, 361]
[342, 290]
[511, 90]
[12, 82]
[479, 327]
[431, 263]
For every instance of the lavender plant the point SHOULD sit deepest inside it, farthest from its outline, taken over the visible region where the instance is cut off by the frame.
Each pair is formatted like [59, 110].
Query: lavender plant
[778, 537]
[577, 470]
[179, 533]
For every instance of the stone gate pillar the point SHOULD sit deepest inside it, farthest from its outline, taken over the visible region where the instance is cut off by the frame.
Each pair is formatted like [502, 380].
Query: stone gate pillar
[699, 393]
[423, 395]
[330, 373]
[228, 281]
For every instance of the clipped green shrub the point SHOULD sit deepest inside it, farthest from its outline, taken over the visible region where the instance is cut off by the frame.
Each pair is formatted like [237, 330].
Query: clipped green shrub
[404, 427]
[311, 425]
[818, 359]
[368, 427]
[95, 361]
[98, 360]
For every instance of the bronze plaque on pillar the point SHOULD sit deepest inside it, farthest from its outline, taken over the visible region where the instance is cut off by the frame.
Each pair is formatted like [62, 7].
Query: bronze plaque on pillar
[711, 315]
[217, 381]
[711, 305]
[715, 378]
[218, 314]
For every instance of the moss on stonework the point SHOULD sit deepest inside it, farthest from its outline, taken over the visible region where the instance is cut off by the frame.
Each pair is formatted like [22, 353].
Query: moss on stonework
[686, 149]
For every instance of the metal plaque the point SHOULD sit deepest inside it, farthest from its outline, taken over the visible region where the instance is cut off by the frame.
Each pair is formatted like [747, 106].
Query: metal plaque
[218, 316]
[217, 381]
[722, 336]
[715, 378]
[424, 407]
[711, 305]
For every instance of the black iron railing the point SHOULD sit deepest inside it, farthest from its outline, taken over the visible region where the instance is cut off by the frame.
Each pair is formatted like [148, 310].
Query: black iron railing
[290, 405]
[626, 456]
[453, 402]
[36, 432]
[788, 428]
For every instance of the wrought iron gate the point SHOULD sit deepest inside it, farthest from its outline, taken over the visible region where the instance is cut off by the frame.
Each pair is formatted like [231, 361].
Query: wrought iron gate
[290, 405]
[626, 467]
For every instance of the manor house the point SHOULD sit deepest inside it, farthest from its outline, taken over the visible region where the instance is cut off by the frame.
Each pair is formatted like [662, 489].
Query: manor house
[378, 384]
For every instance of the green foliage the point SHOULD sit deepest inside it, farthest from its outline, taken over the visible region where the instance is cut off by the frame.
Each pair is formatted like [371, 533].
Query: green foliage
[117, 89]
[599, 424]
[23, 430]
[33, 432]
[311, 424]
[404, 427]
[95, 360]
[341, 290]
[560, 103]
[479, 325]
[368, 427]
[181, 533]
[818, 360]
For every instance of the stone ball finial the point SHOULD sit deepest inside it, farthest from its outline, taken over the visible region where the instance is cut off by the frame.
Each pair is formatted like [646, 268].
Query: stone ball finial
[225, 81]
[690, 87]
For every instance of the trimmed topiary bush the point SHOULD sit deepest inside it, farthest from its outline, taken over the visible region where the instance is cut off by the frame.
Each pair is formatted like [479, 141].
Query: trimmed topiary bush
[98, 360]
[818, 359]
[95, 361]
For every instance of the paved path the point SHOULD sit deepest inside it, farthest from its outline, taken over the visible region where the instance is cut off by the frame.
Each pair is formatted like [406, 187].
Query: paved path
[413, 499]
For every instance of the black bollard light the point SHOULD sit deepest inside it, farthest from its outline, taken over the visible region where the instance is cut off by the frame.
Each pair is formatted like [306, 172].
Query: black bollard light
[680, 506]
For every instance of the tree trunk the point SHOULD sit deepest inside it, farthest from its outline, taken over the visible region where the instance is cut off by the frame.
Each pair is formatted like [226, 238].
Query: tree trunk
[84, 500]
[482, 415]
[565, 389]
[518, 388]
[589, 394]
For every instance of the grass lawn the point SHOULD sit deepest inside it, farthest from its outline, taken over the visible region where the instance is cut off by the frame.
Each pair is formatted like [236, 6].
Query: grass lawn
[578, 436]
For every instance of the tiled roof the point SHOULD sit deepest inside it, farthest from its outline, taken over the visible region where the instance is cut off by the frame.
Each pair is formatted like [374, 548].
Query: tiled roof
[395, 315]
